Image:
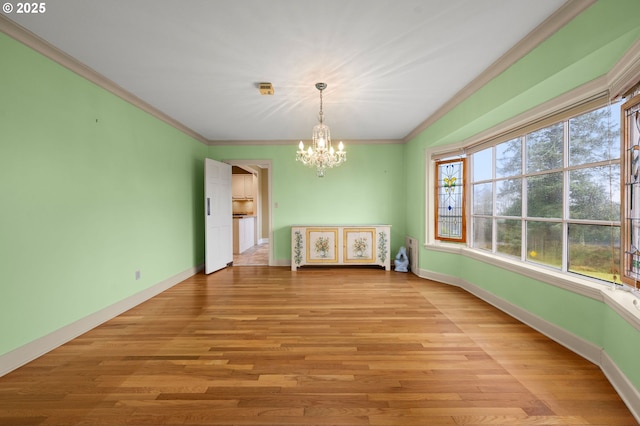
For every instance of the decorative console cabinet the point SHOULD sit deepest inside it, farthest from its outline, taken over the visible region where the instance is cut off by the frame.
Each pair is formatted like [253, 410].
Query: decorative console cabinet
[340, 245]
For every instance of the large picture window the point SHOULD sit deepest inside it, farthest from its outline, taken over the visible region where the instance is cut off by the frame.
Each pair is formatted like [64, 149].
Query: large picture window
[551, 196]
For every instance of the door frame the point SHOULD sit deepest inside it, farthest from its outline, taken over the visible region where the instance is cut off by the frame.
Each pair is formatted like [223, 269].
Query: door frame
[264, 164]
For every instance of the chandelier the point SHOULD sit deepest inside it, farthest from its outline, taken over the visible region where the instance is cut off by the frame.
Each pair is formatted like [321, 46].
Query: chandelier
[321, 154]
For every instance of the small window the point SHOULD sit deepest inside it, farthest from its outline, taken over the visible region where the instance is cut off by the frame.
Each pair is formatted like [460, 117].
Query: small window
[631, 223]
[450, 200]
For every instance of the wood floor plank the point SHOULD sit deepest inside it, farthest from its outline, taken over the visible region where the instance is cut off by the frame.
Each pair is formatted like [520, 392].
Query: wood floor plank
[320, 346]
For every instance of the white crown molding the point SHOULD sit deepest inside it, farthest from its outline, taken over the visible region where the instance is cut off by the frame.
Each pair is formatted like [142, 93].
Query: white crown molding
[622, 77]
[41, 46]
[297, 141]
[546, 29]
[626, 72]
[211, 142]
[582, 94]
[568, 11]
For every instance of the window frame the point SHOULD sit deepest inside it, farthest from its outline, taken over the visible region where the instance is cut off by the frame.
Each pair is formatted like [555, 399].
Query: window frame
[526, 175]
[621, 81]
[625, 186]
[464, 199]
[581, 100]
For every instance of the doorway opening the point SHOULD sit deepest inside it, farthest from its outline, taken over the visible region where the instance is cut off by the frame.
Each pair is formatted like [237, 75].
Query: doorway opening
[252, 213]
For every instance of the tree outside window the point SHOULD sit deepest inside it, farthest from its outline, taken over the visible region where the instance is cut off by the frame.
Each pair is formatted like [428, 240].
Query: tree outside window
[557, 196]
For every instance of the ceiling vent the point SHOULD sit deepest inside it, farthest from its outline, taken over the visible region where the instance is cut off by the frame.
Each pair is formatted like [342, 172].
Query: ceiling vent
[265, 88]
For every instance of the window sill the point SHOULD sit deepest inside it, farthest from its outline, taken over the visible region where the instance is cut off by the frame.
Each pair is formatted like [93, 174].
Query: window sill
[621, 301]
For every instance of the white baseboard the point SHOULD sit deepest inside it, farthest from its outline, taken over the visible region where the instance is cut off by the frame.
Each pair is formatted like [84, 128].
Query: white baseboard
[622, 385]
[32, 350]
[595, 354]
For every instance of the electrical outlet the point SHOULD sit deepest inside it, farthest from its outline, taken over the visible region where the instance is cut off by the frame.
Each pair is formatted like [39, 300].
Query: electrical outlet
[137, 274]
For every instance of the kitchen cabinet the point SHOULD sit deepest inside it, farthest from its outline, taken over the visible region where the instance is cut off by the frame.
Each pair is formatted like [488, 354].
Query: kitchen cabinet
[244, 234]
[242, 187]
[341, 245]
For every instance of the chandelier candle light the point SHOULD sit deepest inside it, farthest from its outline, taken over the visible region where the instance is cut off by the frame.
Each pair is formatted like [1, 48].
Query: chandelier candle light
[321, 154]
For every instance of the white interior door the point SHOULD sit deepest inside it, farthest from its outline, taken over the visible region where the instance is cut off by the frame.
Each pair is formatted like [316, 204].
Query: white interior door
[218, 216]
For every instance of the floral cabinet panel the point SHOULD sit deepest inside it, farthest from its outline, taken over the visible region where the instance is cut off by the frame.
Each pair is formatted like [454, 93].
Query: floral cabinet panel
[359, 245]
[322, 247]
[340, 245]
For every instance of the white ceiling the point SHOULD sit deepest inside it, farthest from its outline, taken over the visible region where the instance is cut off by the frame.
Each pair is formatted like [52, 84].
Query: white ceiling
[388, 64]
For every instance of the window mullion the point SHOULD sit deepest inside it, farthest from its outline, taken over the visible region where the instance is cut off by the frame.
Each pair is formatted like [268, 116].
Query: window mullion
[523, 213]
[557, 197]
[566, 193]
[494, 221]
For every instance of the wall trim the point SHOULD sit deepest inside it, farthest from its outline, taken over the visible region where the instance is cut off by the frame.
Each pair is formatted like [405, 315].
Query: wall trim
[622, 77]
[626, 73]
[542, 32]
[629, 394]
[36, 348]
[619, 300]
[583, 94]
[577, 344]
[45, 48]
[295, 142]
[593, 353]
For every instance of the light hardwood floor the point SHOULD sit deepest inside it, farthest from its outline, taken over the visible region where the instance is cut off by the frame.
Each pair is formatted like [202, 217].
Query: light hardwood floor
[257, 255]
[267, 346]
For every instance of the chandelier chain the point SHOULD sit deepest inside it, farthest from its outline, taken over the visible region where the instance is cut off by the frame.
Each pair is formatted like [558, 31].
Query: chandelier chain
[321, 113]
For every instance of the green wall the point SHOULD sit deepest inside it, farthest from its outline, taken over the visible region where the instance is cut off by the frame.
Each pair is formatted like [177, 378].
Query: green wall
[583, 50]
[367, 189]
[92, 190]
